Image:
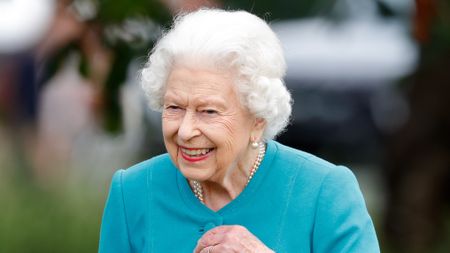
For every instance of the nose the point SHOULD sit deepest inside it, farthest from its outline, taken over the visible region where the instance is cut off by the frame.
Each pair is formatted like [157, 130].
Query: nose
[188, 127]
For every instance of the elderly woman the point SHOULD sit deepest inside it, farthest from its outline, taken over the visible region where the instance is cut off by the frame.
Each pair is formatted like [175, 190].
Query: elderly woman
[225, 184]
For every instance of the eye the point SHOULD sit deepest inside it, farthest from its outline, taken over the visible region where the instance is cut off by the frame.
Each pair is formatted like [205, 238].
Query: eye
[172, 107]
[210, 111]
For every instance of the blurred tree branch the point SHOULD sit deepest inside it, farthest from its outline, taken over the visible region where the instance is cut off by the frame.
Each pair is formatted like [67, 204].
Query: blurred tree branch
[109, 35]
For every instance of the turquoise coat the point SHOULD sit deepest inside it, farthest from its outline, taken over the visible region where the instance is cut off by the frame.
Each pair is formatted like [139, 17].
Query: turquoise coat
[296, 202]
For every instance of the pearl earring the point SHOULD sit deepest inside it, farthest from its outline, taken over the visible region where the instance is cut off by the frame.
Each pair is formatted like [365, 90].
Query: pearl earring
[255, 144]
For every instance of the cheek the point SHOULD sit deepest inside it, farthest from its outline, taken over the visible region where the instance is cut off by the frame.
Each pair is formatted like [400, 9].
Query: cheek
[169, 126]
[169, 130]
[230, 133]
[221, 129]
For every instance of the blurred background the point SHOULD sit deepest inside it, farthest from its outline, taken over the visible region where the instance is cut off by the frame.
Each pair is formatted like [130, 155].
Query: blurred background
[370, 80]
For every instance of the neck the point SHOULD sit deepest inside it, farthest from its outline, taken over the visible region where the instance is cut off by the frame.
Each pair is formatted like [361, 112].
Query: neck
[220, 191]
[217, 196]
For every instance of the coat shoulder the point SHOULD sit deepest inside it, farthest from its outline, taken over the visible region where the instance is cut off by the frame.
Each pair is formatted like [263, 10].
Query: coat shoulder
[138, 176]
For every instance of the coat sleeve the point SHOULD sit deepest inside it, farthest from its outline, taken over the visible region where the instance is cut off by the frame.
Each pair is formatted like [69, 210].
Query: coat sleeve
[342, 223]
[114, 230]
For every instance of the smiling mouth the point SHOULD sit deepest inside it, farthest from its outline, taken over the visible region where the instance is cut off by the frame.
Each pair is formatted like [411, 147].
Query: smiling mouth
[194, 154]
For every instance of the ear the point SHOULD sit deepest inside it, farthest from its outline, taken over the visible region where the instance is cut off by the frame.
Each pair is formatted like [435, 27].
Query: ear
[259, 125]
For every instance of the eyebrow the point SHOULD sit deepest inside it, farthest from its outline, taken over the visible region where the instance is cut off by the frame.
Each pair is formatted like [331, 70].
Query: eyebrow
[200, 101]
[173, 97]
[211, 101]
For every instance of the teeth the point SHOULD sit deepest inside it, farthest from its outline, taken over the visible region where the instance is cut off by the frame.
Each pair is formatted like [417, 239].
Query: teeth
[196, 152]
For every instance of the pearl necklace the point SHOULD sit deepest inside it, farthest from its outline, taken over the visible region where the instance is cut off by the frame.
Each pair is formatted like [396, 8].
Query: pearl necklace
[197, 187]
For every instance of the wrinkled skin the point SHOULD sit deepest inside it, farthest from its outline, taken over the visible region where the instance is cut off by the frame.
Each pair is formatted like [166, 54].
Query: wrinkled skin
[230, 239]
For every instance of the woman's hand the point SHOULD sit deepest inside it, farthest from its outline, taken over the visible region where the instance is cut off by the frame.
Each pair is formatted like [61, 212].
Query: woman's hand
[224, 239]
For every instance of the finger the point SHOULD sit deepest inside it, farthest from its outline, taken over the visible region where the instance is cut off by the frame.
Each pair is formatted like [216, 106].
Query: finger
[218, 235]
[212, 237]
[209, 249]
[209, 240]
[219, 229]
[201, 246]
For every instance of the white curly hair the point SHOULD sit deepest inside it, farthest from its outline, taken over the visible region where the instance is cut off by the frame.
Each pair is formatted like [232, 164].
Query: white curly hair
[228, 40]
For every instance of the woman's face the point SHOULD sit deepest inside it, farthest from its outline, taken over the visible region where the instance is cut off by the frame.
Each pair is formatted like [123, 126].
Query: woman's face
[206, 129]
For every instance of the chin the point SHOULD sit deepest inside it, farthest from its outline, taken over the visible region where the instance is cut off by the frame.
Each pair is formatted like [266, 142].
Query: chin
[195, 173]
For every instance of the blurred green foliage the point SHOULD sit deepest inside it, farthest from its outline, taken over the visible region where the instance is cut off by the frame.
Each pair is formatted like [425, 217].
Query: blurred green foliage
[65, 218]
[115, 14]
[114, 11]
